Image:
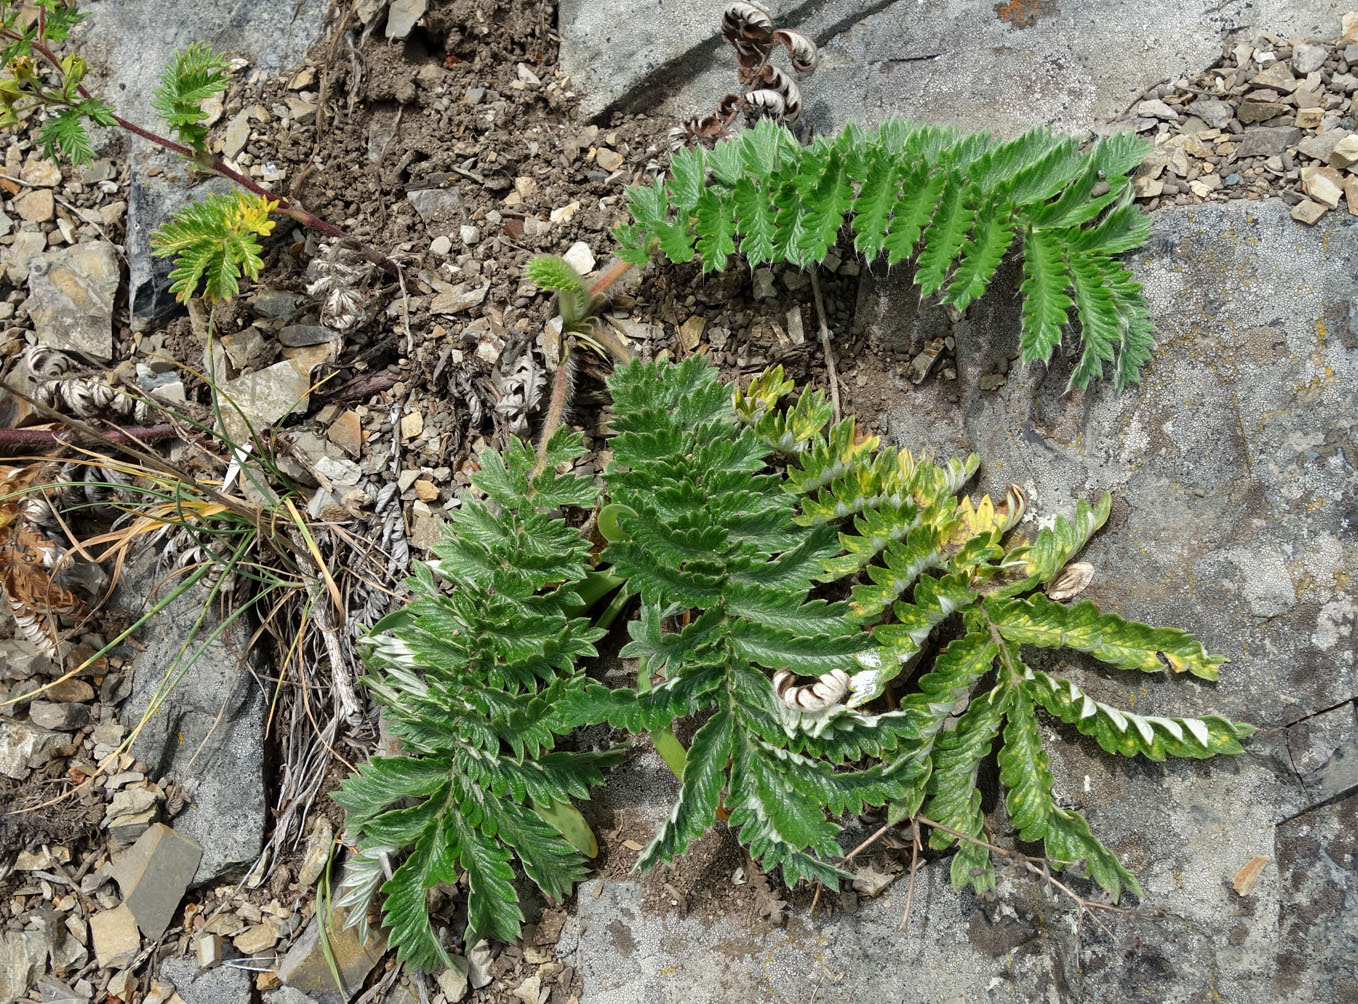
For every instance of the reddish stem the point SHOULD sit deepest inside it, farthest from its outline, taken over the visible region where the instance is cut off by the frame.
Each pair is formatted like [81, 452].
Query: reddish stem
[615, 272]
[217, 166]
[11, 439]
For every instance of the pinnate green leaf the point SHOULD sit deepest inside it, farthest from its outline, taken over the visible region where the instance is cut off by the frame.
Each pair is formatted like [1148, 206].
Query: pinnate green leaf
[1129, 734]
[1107, 637]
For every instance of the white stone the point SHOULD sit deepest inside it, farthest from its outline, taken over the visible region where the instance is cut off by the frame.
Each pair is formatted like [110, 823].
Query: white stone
[237, 134]
[1345, 152]
[453, 981]
[1323, 184]
[1307, 57]
[24, 746]
[563, 214]
[580, 257]
[402, 15]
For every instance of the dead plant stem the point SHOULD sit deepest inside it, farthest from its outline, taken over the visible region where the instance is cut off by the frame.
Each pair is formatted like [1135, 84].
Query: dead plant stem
[831, 375]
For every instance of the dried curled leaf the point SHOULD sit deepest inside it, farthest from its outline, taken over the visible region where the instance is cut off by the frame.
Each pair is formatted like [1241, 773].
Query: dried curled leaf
[801, 51]
[828, 689]
[29, 562]
[1071, 581]
[748, 28]
[339, 276]
[91, 398]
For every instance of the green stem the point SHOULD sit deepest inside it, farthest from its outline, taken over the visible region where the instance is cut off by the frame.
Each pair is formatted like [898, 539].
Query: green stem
[593, 588]
[670, 749]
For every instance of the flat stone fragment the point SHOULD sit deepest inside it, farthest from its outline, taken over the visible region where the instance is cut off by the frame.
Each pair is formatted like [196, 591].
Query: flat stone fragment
[116, 941]
[1351, 194]
[154, 874]
[1305, 98]
[1260, 111]
[1345, 152]
[22, 958]
[301, 335]
[1319, 146]
[461, 297]
[302, 110]
[1156, 109]
[57, 715]
[1276, 76]
[69, 691]
[609, 160]
[264, 397]
[124, 830]
[426, 529]
[305, 968]
[430, 202]
[41, 173]
[274, 303]
[1307, 57]
[70, 298]
[1213, 111]
[346, 432]
[20, 255]
[256, 938]
[1309, 118]
[24, 746]
[36, 205]
[317, 851]
[453, 981]
[237, 134]
[54, 991]
[1267, 141]
[1308, 212]
[1323, 184]
[402, 15]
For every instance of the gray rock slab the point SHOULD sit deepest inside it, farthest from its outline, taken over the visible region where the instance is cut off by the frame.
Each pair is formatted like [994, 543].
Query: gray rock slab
[626, 954]
[950, 61]
[1337, 776]
[1235, 516]
[635, 54]
[152, 201]
[23, 955]
[154, 874]
[305, 967]
[223, 985]
[208, 732]
[272, 36]
[24, 746]
[1314, 957]
[70, 298]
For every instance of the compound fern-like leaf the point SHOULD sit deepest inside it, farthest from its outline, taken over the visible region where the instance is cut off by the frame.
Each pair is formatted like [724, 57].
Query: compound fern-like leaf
[1025, 771]
[215, 242]
[955, 199]
[953, 797]
[191, 77]
[473, 680]
[1107, 637]
[1129, 734]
